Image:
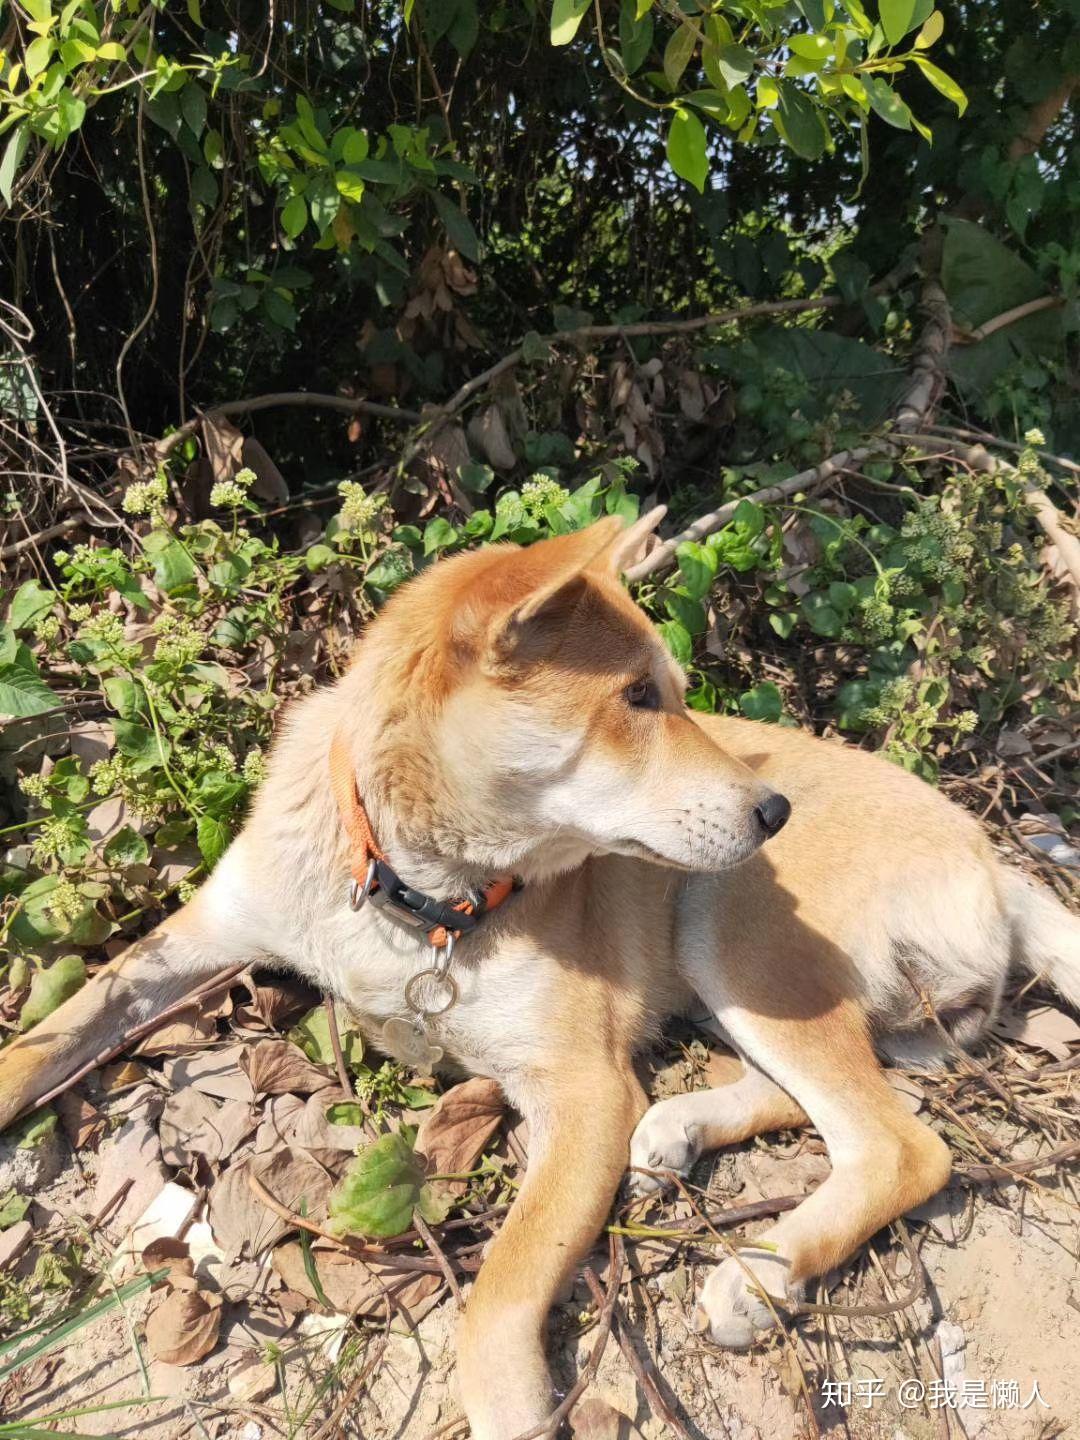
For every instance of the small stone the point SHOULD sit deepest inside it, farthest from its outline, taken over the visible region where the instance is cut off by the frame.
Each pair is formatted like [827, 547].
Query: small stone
[252, 1381]
[32, 1169]
[14, 1241]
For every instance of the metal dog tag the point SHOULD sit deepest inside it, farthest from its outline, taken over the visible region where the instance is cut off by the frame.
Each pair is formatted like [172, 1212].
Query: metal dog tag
[407, 1042]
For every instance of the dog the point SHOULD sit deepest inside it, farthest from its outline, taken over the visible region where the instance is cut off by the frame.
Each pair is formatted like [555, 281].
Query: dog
[507, 845]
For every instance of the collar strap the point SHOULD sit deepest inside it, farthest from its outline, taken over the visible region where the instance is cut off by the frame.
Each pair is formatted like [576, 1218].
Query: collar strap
[375, 879]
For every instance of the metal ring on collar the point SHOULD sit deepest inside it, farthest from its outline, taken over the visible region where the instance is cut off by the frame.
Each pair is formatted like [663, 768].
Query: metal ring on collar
[439, 978]
[358, 894]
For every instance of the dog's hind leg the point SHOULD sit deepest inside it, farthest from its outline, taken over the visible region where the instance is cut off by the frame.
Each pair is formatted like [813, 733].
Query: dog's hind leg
[673, 1133]
[580, 1119]
[208, 935]
[816, 1046]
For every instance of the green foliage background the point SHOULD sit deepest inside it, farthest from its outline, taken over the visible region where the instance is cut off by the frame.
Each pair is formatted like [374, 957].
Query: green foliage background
[206, 204]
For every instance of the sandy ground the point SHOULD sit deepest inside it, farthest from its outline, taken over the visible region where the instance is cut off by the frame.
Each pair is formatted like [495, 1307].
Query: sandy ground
[1001, 1312]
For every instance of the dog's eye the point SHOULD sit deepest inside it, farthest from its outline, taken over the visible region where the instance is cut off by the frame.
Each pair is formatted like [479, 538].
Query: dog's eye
[642, 695]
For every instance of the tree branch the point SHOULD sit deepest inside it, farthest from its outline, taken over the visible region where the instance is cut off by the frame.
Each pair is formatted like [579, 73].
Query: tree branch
[915, 407]
[300, 399]
[1041, 117]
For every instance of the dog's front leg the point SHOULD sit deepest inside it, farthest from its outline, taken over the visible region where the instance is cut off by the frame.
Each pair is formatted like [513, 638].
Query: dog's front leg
[215, 930]
[580, 1121]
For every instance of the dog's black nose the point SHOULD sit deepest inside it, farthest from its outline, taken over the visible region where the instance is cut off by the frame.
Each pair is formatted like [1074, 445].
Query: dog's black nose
[773, 812]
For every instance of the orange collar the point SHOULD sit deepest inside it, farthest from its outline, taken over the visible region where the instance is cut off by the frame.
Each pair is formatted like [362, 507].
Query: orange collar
[374, 878]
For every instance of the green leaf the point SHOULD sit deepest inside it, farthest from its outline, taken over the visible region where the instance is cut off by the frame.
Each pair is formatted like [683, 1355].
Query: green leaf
[123, 695]
[689, 613]
[677, 54]
[438, 534]
[344, 1112]
[897, 18]
[23, 692]
[127, 847]
[799, 122]
[213, 839]
[566, 16]
[112, 51]
[822, 618]
[29, 1133]
[139, 743]
[381, 1189]
[686, 149]
[943, 83]
[931, 32]
[698, 566]
[38, 54]
[735, 63]
[51, 987]
[459, 227]
[12, 1208]
[475, 478]
[677, 638]
[193, 107]
[174, 568]
[763, 702]
[294, 216]
[886, 103]
[312, 1035]
[31, 601]
[635, 36]
[783, 622]
[14, 151]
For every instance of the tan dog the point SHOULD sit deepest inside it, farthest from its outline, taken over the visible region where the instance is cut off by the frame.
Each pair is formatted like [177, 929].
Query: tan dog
[513, 713]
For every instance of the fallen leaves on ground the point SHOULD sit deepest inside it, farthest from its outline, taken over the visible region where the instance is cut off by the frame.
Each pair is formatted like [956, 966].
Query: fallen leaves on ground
[456, 1130]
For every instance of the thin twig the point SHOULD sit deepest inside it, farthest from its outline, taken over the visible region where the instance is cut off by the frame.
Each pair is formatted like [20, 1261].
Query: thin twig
[649, 1383]
[357, 1248]
[424, 1231]
[201, 992]
[549, 1426]
[347, 1087]
[297, 399]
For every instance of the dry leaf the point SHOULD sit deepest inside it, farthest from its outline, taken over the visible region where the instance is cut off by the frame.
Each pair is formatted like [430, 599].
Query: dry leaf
[910, 1091]
[1044, 1027]
[191, 1029]
[275, 1004]
[488, 434]
[215, 1072]
[454, 1132]
[290, 1121]
[1012, 742]
[277, 1067]
[224, 446]
[269, 481]
[355, 1286]
[130, 1161]
[188, 1128]
[83, 1124]
[91, 741]
[595, 1419]
[167, 1217]
[115, 1078]
[184, 1327]
[241, 1223]
[171, 1253]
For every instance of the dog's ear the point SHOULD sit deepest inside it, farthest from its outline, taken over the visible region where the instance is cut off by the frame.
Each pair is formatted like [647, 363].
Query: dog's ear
[561, 567]
[625, 547]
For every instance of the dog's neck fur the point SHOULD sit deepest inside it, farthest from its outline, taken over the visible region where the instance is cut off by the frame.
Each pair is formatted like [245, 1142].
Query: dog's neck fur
[435, 840]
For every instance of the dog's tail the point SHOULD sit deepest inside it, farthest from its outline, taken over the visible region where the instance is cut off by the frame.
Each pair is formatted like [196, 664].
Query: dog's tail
[1046, 936]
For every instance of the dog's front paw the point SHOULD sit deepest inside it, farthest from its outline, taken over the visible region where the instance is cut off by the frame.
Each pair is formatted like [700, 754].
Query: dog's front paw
[730, 1306]
[660, 1142]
